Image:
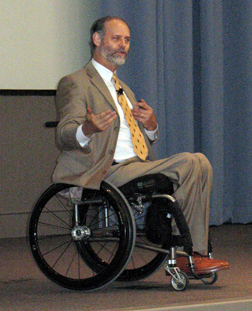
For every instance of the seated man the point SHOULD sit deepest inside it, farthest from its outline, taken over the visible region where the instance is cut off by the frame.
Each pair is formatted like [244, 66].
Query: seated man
[106, 135]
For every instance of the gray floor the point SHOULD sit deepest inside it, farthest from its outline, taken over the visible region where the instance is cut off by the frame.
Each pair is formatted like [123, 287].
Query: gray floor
[24, 287]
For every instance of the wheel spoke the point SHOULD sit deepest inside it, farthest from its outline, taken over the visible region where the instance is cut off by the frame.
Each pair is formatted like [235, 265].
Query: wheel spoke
[54, 226]
[62, 253]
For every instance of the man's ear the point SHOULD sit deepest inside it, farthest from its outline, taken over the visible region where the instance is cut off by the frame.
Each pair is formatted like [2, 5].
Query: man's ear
[96, 39]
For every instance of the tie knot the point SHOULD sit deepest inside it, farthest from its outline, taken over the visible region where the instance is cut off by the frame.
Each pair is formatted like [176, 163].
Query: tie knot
[114, 77]
[117, 85]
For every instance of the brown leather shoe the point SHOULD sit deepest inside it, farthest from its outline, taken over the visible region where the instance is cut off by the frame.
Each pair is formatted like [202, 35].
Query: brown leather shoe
[203, 264]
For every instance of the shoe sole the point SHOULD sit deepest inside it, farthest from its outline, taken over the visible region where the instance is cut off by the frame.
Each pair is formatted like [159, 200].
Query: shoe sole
[206, 272]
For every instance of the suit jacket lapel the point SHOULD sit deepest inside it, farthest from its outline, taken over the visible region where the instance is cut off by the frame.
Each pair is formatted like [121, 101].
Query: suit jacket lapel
[97, 80]
[99, 83]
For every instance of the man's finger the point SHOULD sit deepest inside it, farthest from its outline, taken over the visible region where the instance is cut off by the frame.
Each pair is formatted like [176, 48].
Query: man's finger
[89, 110]
[142, 104]
[105, 115]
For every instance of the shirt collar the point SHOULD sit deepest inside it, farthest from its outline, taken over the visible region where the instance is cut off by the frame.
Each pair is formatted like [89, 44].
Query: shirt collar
[104, 72]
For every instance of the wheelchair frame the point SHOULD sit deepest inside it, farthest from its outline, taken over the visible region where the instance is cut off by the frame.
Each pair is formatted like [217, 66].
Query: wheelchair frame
[84, 239]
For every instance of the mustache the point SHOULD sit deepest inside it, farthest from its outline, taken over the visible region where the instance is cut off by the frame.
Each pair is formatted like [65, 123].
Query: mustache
[121, 51]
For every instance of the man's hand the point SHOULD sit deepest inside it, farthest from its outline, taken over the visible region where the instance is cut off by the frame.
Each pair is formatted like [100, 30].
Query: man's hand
[145, 115]
[98, 123]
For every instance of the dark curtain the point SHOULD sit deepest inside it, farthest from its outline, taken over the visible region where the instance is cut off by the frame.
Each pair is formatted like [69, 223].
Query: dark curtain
[191, 61]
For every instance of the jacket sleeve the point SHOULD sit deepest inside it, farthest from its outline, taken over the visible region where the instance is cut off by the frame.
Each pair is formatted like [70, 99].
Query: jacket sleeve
[72, 107]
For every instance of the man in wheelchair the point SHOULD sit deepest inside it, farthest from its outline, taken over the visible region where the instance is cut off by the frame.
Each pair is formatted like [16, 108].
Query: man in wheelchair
[101, 139]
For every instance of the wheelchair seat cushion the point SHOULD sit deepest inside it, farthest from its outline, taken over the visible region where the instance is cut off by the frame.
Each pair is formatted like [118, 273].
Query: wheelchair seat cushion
[153, 183]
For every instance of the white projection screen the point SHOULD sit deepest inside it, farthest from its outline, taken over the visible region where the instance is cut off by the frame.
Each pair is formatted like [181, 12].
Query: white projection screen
[43, 40]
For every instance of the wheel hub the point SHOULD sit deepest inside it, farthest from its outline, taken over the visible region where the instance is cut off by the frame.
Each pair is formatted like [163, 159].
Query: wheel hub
[81, 232]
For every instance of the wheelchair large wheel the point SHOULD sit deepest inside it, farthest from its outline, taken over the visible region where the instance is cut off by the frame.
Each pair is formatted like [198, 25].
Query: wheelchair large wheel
[81, 239]
[146, 259]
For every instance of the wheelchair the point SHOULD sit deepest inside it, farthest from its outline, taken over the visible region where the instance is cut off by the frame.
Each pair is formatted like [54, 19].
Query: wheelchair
[84, 239]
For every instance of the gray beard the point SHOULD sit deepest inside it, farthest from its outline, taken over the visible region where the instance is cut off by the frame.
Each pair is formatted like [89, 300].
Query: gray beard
[118, 61]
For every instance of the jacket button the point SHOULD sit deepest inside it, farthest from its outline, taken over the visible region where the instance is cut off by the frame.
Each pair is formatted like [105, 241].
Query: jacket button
[111, 151]
[116, 128]
[103, 172]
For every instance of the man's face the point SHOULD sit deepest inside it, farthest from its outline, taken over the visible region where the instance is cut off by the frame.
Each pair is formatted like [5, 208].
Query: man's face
[114, 47]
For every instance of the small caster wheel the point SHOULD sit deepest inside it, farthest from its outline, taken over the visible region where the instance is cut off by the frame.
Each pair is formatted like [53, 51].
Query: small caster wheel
[180, 282]
[211, 279]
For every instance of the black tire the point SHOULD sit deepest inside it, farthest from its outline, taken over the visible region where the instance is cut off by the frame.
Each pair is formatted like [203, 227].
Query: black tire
[211, 279]
[89, 255]
[144, 261]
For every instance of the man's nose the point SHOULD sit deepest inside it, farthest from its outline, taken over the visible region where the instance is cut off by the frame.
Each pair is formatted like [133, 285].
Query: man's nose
[122, 42]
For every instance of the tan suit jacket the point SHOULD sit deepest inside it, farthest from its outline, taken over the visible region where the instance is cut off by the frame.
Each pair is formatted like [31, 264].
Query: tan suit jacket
[86, 166]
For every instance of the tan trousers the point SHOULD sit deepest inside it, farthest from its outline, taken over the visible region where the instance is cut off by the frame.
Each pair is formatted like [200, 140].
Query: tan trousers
[192, 177]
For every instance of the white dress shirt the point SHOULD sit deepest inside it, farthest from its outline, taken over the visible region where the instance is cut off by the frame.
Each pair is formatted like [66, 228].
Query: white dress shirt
[124, 148]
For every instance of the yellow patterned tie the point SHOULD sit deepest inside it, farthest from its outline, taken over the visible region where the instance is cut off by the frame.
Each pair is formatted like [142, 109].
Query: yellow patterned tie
[136, 135]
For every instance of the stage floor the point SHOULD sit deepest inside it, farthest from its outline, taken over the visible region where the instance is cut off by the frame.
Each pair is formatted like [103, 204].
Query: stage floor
[24, 287]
